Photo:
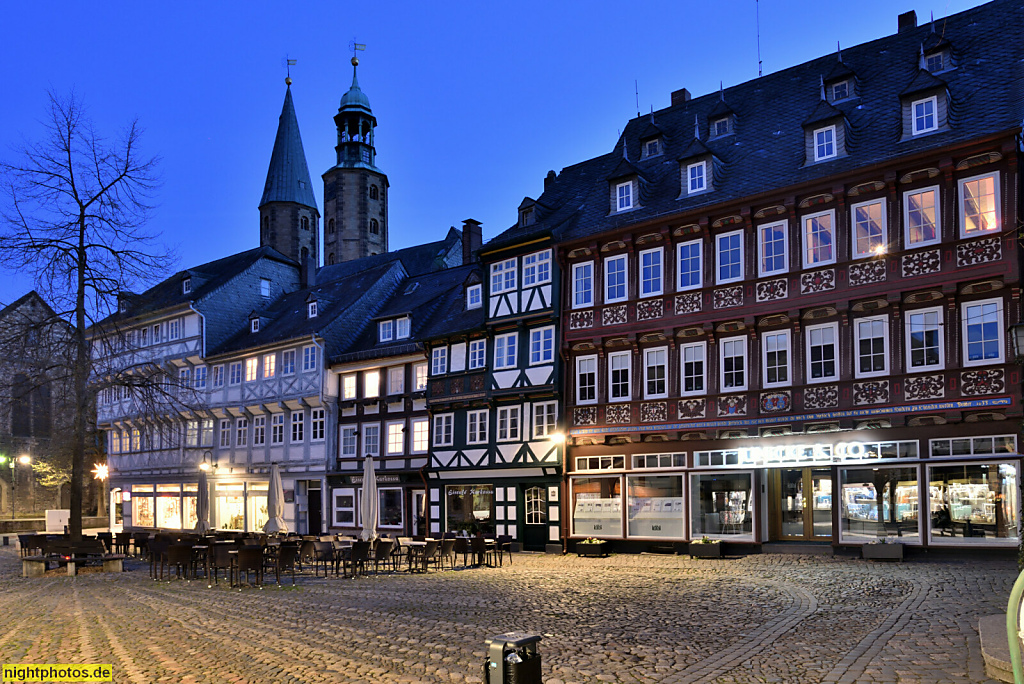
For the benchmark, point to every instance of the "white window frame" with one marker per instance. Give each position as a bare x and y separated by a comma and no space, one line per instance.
444,429
371,384
241,432
509,433
218,376
501,346
503,276
703,347
396,380
385,331
726,128
199,377
624,200
703,166
857,254
403,327
849,90
224,433
787,336
269,365
264,287
629,376
259,430
276,428
994,175
541,428
647,366
252,367
419,377
309,358
1000,328
540,353
719,280
349,449
834,327
761,270
537,271
721,364
476,427
582,298
474,297
235,371
395,428
939,327
644,292
298,423
935,115
349,386
886,345
311,309
936,193
420,436
365,429
288,362
700,265
624,260
804,221
477,354
317,424
438,361
829,132
580,360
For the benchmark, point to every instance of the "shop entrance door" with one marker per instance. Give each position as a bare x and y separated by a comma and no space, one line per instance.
535,531
801,504
315,508
419,513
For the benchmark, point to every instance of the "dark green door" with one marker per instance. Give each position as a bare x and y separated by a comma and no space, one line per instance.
535,517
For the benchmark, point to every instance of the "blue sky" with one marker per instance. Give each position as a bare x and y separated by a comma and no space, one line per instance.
474,101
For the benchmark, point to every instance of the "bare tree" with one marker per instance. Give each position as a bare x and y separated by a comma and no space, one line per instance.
74,216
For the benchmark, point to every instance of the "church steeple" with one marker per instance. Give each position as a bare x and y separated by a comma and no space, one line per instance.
289,218
355,190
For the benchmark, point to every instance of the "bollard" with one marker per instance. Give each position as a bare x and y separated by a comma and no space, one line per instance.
512,658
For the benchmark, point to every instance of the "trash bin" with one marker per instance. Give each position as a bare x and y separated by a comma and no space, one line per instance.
512,658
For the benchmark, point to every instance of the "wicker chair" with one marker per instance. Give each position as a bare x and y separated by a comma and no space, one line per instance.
179,557
286,559
447,553
323,554
222,559
357,558
250,559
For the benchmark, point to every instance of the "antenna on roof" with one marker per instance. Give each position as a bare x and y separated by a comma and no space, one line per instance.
636,89
757,10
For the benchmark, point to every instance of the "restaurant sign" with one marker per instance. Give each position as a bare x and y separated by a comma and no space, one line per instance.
807,454
381,479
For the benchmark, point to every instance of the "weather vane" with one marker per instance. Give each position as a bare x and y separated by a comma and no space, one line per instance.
353,46
289,63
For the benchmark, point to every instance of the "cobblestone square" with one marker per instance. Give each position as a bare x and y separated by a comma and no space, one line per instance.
645,618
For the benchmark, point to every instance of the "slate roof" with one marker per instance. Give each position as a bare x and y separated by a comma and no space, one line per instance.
451,315
288,175
766,151
416,260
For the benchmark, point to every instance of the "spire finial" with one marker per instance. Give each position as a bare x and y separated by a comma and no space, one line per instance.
625,151
921,61
354,46
821,84
289,63
721,92
696,128
933,21
839,51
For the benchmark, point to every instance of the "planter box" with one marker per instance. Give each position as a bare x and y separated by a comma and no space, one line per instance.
599,550
713,550
893,552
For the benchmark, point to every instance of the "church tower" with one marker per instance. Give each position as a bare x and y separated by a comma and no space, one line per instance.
355,190
289,219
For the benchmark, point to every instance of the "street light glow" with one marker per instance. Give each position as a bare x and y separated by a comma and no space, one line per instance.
24,459
557,437
100,471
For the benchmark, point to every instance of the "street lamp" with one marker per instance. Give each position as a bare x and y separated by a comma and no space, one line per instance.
24,459
100,472
207,465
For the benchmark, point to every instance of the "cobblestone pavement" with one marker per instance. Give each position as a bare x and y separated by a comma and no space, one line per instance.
768,618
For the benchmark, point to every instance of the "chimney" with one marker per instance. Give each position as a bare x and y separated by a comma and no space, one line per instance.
307,273
907,21
680,96
472,240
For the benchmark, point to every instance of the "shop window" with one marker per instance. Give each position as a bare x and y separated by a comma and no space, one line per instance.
648,461
168,506
879,502
991,445
720,506
390,513
470,508
973,504
257,505
596,506
142,506
345,507
600,462
655,507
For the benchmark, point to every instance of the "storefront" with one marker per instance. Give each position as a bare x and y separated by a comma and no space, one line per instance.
401,504
941,491
235,505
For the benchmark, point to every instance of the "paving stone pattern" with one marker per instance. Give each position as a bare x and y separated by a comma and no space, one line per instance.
767,618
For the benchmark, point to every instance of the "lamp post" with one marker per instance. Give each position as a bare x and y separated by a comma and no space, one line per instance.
100,472
1017,335
24,459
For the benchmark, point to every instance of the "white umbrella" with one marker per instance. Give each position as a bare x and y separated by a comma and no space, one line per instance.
275,502
368,506
203,505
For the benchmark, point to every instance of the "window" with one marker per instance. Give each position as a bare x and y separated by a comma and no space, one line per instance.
298,426
241,431
586,380
477,354
537,268
348,386
419,374
254,325
615,274
690,265
402,326
696,177
385,331
988,445
772,245
476,426
265,284
443,430
841,90
269,365
288,362
979,205
924,339
542,345
251,365
309,358
508,423
371,440
199,377
983,332
544,418
776,358
505,351
439,361
652,148
720,127
174,329
348,441
935,62
277,428
218,376
655,373
503,276
582,285
872,338
868,228
371,384
318,424
819,239
420,435
374,226
156,334
225,434
396,380
473,297
824,143
923,116
396,438
822,352
619,386
694,368
184,378
186,285
373,192
235,373
921,216
650,273
144,337
624,196
733,362
730,256
259,430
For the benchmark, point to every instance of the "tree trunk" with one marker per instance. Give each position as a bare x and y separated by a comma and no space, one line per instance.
81,389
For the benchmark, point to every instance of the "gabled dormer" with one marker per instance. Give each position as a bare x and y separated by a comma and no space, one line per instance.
624,185
652,140
936,53
474,291
825,131
186,284
527,212
255,322
925,105
721,119
696,166
841,82
312,306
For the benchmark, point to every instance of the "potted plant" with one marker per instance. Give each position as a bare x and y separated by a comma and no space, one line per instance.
883,549
706,547
596,548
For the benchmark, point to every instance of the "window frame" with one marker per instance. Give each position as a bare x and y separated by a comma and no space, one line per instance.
480,418
400,322
385,331
540,430
763,339
317,424
579,375
504,272
447,421
937,193
224,434
309,358
232,368
703,166
416,435
703,346
577,291
719,280
647,366
259,430
477,291
849,91
856,254
761,270
700,265
542,355
831,213
400,425
836,359
218,376
612,399
288,362
241,432
961,215
343,450
505,413
624,259
1000,329
914,130
834,142
620,196
541,259
477,354
643,292
886,346
252,368
276,429
420,372
399,386
269,366
502,342
940,328
371,383
439,360
297,420
721,364
349,381
363,428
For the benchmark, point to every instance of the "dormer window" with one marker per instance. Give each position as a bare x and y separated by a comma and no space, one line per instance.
840,91
123,307
697,177
824,143
624,196
937,61
526,216
474,297
186,285
402,326
264,288
385,331
924,115
254,325
652,148
311,310
720,127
